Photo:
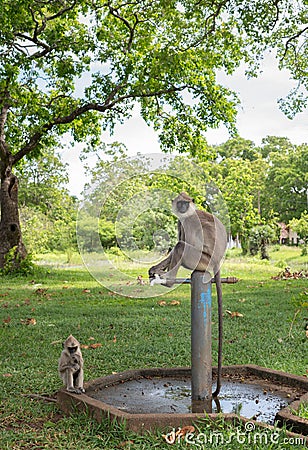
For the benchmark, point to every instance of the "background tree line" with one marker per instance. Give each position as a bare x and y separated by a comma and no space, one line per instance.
74,69
261,186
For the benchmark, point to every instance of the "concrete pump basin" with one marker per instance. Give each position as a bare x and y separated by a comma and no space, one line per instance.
147,399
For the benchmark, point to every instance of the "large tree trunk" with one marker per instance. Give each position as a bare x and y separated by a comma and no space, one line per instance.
10,232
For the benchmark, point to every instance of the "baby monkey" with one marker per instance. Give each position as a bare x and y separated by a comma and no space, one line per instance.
71,366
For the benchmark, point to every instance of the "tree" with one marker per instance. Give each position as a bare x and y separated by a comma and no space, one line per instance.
300,226
43,182
286,179
244,149
237,148
237,185
77,67
48,212
259,239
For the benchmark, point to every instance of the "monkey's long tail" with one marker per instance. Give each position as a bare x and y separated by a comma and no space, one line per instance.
220,332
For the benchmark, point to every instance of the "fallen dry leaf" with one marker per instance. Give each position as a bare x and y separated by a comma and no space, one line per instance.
40,291
140,280
174,303
86,291
114,340
170,437
234,314
7,320
162,303
84,346
97,345
28,321
287,274
7,375
185,430
173,436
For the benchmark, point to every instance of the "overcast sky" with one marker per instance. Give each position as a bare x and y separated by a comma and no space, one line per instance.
258,117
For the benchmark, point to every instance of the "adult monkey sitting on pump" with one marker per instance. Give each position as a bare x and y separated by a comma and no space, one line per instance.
202,242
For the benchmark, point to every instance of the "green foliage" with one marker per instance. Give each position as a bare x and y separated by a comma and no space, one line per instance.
72,69
107,233
47,211
37,229
80,66
238,168
300,226
17,265
286,178
115,251
259,239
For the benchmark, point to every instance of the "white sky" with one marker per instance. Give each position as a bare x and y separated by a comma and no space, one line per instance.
258,117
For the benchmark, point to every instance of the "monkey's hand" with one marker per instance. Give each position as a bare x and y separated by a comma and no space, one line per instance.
168,282
157,280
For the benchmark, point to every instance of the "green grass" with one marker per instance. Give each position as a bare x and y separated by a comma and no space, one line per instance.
134,333
302,411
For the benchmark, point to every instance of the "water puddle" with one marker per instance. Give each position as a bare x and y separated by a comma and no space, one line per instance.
171,395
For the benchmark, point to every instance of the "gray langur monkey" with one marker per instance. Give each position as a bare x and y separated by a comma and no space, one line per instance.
71,366
202,242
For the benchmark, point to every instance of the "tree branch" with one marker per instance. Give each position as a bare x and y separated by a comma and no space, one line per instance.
289,42
131,29
207,30
109,104
37,43
39,28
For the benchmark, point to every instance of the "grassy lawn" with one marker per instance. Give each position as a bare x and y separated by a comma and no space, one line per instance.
39,311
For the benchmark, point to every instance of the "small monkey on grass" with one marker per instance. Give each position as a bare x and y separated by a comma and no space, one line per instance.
71,366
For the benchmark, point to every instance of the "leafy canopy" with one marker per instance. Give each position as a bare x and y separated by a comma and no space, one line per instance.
80,66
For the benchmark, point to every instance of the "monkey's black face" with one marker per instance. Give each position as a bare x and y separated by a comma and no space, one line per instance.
182,206
72,349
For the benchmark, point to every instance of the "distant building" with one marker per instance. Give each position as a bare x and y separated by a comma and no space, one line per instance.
287,236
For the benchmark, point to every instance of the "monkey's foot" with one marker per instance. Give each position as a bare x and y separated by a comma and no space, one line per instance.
75,390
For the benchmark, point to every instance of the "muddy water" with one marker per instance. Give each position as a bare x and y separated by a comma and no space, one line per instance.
170,395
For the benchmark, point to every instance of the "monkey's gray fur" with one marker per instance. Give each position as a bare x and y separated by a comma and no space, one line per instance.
71,366
202,242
